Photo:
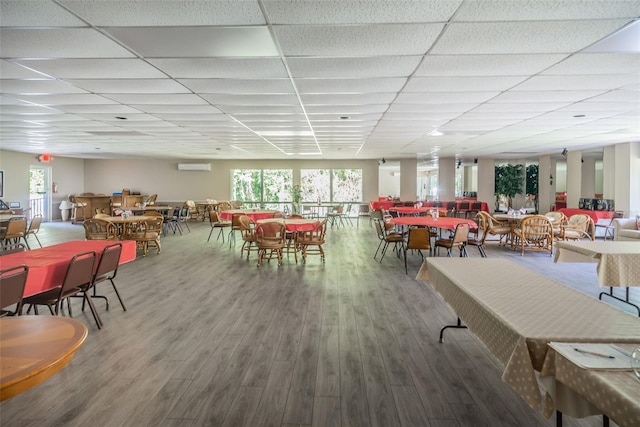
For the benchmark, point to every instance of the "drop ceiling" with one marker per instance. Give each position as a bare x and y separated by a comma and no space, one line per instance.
275,79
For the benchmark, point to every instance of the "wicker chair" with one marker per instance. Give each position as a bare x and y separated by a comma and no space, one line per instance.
535,233
310,242
270,239
247,231
99,229
557,219
578,227
495,227
149,232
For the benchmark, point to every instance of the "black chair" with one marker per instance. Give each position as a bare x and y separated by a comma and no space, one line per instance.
77,281
451,208
107,270
12,283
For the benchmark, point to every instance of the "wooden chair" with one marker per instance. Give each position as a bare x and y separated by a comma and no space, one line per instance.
494,227
336,215
12,283
247,231
77,281
418,238
578,227
34,227
151,199
16,230
99,229
311,242
609,228
148,233
458,239
535,233
76,205
107,270
215,222
271,239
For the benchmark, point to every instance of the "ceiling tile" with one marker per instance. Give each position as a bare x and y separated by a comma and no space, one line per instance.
37,86
180,42
347,99
59,43
62,99
157,99
598,63
523,37
131,86
10,70
93,68
545,96
237,68
349,85
444,97
383,66
393,39
536,10
253,86
29,13
594,82
486,65
167,12
455,84
254,99
358,12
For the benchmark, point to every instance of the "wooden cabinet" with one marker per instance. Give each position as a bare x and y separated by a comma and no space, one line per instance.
103,203
130,201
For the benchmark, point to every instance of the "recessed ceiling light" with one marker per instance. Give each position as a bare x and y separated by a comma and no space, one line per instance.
435,132
344,117
579,115
121,118
218,148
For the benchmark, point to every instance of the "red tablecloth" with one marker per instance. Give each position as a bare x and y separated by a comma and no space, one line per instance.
375,205
406,210
428,221
595,215
48,265
254,215
294,224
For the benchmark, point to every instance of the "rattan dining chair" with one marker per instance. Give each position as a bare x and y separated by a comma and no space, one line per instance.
534,233
270,240
12,283
311,242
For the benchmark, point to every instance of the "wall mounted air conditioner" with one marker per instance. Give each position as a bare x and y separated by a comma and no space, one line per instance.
194,166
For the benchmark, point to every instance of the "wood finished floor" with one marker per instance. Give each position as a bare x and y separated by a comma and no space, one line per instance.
210,339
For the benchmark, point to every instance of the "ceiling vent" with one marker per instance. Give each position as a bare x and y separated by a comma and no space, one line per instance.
194,166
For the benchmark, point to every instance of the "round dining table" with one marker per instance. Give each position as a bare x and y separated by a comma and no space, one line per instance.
34,348
448,223
293,225
253,214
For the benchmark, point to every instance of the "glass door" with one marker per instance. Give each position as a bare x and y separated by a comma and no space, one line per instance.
39,191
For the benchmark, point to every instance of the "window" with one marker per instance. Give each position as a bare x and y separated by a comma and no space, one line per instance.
268,188
315,185
347,185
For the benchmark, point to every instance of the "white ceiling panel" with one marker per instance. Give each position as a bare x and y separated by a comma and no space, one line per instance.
363,40
184,42
251,99
431,108
486,65
29,13
358,12
532,107
346,110
157,99
94,68
260,109
37,87
236,68
523,37
598,63
545,96
380,66
63,99
347,99
167,12
617,96
59,43
153,86
559,83
170,108
247,86
9,70
538,10
349,85
444,97
462,84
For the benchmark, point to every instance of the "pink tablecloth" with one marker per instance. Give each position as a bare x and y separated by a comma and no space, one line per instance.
595,215
254,215
428,221
48,265
294,224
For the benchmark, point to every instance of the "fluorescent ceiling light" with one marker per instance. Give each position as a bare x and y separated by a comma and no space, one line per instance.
435,132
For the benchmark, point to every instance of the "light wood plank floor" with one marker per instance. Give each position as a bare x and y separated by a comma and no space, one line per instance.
210,339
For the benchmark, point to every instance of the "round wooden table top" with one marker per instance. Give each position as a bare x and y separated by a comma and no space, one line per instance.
33,348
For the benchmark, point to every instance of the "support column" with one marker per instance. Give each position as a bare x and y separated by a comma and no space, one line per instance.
609,172
408,179
627,178
487,182
574,178
588,178
546,186
447,179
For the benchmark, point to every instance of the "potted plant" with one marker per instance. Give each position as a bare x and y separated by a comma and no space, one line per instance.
532,184
509,181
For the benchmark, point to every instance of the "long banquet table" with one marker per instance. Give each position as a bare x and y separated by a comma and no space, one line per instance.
48,265
253,214
447,223
516,312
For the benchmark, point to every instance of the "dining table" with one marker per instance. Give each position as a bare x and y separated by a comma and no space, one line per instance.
34,348
611,392
48,265
447,223
618,263
127,223
516,312
254,214
293,225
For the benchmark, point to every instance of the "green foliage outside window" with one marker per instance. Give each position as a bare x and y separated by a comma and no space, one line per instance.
509,180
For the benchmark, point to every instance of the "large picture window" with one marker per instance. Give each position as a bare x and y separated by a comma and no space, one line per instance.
346,185
268,188
315,185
